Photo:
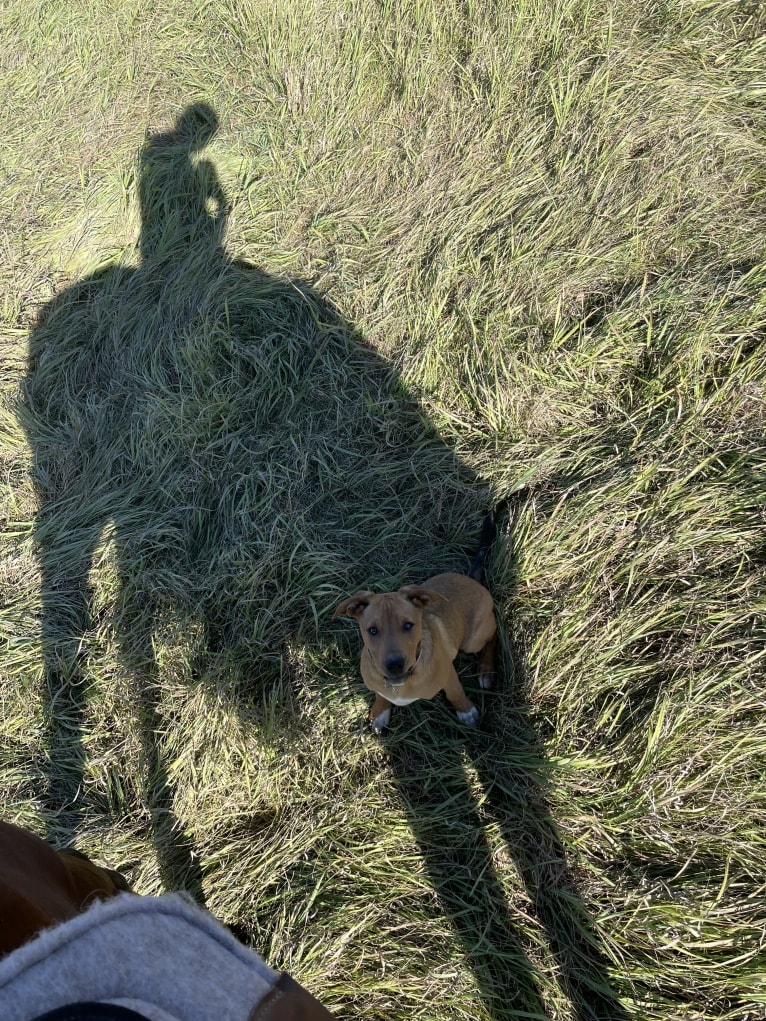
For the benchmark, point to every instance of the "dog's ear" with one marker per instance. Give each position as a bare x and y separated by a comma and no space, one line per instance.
355,605
420,596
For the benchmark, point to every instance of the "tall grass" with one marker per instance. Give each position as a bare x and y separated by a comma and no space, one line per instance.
290,295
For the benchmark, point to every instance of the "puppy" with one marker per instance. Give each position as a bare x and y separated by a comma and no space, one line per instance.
411,638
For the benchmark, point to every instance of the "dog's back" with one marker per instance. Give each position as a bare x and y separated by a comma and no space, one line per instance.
466,604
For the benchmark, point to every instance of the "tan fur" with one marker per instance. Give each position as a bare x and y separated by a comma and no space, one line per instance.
419,631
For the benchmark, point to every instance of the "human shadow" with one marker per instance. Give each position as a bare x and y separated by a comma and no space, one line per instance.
432,770
217,424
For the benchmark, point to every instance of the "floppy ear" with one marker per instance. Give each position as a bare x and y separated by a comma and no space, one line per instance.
355,605
420,597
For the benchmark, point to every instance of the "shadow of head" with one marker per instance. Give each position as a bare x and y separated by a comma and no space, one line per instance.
183,205
194,128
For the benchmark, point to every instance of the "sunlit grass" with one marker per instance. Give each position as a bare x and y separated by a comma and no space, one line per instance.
435,256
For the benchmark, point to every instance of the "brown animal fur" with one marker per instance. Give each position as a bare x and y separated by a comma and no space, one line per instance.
411,638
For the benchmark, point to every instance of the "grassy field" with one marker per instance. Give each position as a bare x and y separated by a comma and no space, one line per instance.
291,293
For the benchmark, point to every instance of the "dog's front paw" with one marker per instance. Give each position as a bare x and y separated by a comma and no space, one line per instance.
381,721
486,681
469,718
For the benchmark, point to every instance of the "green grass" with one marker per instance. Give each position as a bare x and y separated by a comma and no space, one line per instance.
435,255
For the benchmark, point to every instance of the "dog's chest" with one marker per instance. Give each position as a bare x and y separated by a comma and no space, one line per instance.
398,701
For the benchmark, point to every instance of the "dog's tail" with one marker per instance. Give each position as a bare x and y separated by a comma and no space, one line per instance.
487,537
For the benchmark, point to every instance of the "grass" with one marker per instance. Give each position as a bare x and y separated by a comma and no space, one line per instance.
395,262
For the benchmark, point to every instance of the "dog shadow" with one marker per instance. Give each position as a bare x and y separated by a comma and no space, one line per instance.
437,775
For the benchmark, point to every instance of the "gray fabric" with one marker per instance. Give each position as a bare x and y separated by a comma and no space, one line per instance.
160,956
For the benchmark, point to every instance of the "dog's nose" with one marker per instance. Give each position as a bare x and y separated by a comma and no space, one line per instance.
394,665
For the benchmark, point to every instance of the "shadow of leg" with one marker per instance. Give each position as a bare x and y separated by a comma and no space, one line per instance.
436,796
516,800
177,861
65,557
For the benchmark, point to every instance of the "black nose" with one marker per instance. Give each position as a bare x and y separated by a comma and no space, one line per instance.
395,665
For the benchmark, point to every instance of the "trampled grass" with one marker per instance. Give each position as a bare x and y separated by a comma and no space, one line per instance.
291,294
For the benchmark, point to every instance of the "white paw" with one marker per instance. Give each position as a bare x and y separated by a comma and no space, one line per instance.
471,718
381,721
485,681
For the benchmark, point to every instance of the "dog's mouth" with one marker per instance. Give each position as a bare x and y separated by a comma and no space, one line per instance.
398,681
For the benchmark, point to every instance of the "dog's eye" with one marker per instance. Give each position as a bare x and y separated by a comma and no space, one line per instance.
407,625
372,630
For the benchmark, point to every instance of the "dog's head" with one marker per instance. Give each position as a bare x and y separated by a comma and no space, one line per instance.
391,624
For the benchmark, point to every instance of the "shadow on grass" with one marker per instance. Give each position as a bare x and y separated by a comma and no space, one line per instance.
91,373
243,446
217,424
430,771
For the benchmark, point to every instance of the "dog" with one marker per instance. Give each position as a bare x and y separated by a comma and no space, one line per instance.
412,636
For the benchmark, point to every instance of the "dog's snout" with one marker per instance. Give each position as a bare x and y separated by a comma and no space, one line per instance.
394,665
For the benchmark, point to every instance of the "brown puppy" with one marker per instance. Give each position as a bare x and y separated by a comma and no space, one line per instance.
411,638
